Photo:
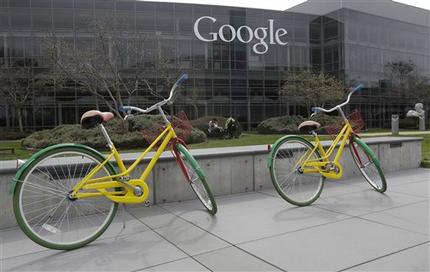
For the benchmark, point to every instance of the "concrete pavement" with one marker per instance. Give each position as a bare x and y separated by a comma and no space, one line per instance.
351,227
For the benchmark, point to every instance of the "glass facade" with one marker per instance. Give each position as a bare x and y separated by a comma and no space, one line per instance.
370,43
226,78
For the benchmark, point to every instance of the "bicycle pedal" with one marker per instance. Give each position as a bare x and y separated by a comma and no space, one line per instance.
147,203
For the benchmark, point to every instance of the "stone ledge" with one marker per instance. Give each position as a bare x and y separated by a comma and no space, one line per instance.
230,170
7,167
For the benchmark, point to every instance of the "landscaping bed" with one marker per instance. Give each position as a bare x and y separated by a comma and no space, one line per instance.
135,137
246,139
289,124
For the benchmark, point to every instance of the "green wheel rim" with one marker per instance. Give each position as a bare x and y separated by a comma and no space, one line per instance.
371,170
200,187
27,170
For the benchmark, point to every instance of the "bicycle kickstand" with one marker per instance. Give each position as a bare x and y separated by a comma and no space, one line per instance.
123,216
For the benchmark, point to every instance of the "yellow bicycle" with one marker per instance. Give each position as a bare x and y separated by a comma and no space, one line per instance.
298,167
66,195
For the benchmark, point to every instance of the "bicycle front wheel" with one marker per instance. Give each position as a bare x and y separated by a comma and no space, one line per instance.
368,164
285,159
196,177
43,208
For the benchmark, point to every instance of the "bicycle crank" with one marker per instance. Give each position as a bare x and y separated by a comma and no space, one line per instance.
137,191
332,170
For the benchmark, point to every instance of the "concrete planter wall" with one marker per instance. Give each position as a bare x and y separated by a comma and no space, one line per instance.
229,170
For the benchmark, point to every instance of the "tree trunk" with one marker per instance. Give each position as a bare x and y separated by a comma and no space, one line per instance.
19,113
125,125
196,111
308,109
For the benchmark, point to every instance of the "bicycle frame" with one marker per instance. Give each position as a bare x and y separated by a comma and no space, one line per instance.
135,190
335,171
110,182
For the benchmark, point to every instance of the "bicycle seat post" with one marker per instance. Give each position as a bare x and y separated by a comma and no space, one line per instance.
106,136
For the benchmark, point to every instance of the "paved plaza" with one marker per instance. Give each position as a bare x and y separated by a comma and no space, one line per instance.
351,227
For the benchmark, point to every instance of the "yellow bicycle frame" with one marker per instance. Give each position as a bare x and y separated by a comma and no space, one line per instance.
308,165
89,187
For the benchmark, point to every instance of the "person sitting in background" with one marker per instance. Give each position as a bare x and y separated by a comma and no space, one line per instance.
214,130
232,128
213,126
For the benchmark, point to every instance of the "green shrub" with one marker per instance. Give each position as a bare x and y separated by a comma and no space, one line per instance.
145,122
280,125
13,135
63,134
289,124
155,122
134,138
409,123
325,119
197,136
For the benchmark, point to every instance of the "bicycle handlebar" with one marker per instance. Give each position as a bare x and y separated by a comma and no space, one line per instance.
182,79
358,88
315,110
128,109
178,83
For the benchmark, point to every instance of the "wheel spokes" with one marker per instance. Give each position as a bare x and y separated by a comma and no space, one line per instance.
296,186
46,209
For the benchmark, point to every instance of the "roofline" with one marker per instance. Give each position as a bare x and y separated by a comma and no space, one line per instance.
400,3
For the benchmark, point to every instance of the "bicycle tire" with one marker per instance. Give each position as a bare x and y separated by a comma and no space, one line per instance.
279,156
197,180
373,174
30,186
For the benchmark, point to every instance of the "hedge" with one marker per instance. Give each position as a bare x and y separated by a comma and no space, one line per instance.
134,138
280,125
7,135
409,123
289,124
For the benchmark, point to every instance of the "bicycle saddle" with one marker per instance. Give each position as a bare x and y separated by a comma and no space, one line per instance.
308,126
92,118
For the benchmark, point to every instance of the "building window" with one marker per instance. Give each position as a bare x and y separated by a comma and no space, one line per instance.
84,4
20,3
4,18
20,18
63,19
42,19
41,4
62,4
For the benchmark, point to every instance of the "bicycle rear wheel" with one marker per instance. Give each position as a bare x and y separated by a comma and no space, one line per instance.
368,164
43,208
290,182
196,177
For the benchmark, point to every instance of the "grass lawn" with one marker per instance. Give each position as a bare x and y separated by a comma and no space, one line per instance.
20,153
246,139
425,147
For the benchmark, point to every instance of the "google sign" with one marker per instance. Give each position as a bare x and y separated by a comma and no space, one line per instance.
244,34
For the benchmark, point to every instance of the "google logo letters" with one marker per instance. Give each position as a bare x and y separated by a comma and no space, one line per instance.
244,34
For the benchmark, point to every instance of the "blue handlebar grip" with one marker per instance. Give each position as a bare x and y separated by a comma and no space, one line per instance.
359,87
313,109
124,109
182,79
